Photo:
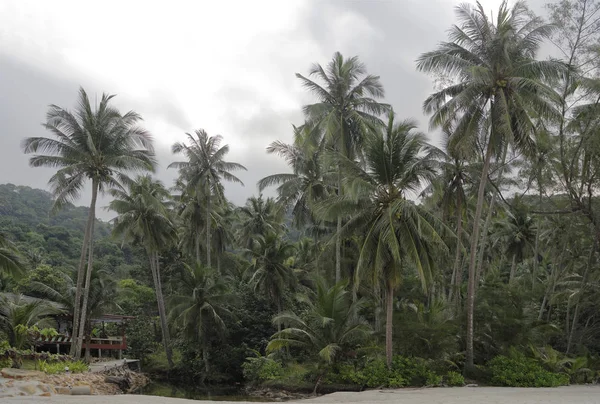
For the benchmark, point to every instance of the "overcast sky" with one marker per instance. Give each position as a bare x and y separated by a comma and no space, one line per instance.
225,66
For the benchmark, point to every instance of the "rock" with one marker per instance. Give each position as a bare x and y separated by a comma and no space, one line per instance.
46,394
62,390
472,385
29,389
20,373
81,391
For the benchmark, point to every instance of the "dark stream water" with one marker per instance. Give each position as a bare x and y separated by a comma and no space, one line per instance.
193,393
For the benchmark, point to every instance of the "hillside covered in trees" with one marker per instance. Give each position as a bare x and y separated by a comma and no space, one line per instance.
382,260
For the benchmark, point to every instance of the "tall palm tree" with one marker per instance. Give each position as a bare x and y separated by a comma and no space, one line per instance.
306,183
205,168
397,232
10,262
258,217
97,144
450,186
347,108
270,272
144,218
200,305
497,85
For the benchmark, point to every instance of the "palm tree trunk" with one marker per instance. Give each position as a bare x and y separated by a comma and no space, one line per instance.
388,324
208,225
582,287
197,241
155,269
88,276
80,276
457,259
484,236
556,264
205,356
338,239
513,269
474,241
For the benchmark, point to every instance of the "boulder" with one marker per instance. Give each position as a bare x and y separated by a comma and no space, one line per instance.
81,391
29,389
62,390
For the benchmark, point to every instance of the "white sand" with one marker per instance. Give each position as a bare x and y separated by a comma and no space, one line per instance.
461,395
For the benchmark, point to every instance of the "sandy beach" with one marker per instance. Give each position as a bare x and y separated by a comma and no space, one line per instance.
461,395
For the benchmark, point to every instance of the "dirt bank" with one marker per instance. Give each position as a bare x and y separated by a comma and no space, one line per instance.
461,395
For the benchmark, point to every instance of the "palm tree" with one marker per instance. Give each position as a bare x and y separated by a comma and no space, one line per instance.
497,85
200,305
258,217
18,313
397,232
10,262
144,218
97,144
205,168
450,186
345,111
103,293
518,233
270,272
330,327
307,183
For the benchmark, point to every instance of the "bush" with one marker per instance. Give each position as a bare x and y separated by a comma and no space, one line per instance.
454,379
404,372
520,371
53,368
260,369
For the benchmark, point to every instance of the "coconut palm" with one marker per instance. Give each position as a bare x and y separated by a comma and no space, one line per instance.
144,218
450,188
306,183
271,273
103,292
331,326
347,108
258,217
397,232
100,145
497,85
204,170
199,306
518,233
18,313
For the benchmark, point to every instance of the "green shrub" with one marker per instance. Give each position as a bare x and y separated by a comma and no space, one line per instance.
53,368
520,371
259,369
5,362
404,372
454,379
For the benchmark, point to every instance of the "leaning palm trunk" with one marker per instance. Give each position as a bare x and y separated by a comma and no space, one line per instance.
80,276
388,324
88,276
162,313
474,241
